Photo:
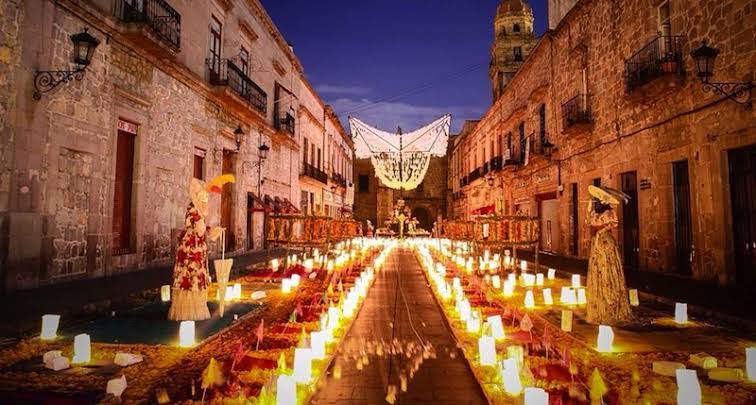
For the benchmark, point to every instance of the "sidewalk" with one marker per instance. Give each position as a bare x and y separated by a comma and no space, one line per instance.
736,301
74,295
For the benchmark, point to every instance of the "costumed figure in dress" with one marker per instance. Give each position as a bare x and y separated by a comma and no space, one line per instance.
608,301
191,278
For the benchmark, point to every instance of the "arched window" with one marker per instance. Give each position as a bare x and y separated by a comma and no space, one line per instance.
516,28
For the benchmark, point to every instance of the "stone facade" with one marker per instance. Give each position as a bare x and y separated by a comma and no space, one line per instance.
513,41
628,134
58,155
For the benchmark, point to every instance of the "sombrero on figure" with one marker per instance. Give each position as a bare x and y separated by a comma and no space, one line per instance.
608,195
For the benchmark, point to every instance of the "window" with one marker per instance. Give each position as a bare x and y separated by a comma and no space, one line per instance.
542,122
244,60
364,183
319,159
199,164
516,28
665,27
304,150
523,140
216,31
517,54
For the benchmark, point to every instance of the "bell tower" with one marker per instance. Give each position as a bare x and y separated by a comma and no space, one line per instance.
513,40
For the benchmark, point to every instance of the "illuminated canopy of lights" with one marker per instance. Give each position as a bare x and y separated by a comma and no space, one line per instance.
401,160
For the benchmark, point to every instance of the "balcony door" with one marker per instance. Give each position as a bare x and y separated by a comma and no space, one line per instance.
227,200
122,188
216,32
683,221
630,222
743,199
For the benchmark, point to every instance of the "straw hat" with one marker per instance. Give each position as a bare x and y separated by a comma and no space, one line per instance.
608,195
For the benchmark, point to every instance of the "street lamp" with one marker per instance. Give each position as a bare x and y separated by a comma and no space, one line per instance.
84,45
705,58
262,154
238,133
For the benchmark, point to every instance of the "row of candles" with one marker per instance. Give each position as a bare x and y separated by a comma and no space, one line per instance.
330,323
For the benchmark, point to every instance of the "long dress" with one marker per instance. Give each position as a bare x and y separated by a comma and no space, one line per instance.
608,302
190,273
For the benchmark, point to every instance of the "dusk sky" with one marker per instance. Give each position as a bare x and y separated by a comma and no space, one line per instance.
422,58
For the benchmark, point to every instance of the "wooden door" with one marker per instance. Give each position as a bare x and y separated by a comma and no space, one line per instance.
227,200
574,220
683,217
122,193
743,198
630,222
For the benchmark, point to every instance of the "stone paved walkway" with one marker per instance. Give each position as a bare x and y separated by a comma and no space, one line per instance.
446,379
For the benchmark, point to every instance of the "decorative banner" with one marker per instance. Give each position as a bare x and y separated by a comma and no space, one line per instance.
310,231
509,230
401,160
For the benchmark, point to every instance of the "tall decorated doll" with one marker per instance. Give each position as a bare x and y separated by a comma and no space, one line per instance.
191,277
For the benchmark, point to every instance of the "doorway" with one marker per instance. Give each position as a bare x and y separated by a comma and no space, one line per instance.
423,218
630,222
227,200
574,221
683,221
122,188
742,165
548,211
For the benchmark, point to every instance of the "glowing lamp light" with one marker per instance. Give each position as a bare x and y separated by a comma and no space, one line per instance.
567,320
186,334
539,279
576,281
49,327
547,299
302,365
308,264
681,313
523,265
286,390
516,353
605,339
510,374
274,264
508,288
568,296
456,283
634,297
551,274
229,293
82,349
497,327
528,279
529,300
581,299
496,281
165,293
330,266
751,363
318,344
512,278
487,350
688,388
295,279
473,324
536,396
237,291
285,285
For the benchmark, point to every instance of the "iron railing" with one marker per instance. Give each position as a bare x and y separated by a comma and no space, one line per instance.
285,122
486,169
163,19
339,179
540,145
577,110
226,73
474,175
314,173
495,163
662,56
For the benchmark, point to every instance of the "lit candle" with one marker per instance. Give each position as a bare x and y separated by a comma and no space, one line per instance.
634,297
318,344
274,264
473,324
496,281
285,285
487,350
681,313
547,299
229,293
576,281
82,349
551,274
237,291
49,327
529,300
688,388
605,339
510,374
523,265
165,293
302,365
497,326
186,334
512,278
508,288
536,396
295,279
539,279
581,299
308,264
517,353
286,390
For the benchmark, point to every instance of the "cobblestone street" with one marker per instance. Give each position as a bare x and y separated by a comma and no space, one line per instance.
401,306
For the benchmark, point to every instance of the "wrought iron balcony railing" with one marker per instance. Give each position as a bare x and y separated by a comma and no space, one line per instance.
486,169
474,175
163,19
541,145
577,110
224,72
662,56
314,173
495,163
339,179
285,122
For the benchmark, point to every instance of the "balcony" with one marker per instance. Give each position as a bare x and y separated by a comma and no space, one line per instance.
474,175
314,173
162,20
577,110
463,182
285,122
540,145
225,73
660,57
486,169
495,163
339,179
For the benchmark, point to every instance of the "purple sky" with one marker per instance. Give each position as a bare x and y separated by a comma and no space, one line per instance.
424,58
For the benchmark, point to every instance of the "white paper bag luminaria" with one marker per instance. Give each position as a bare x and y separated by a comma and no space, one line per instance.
127,359
82,349
49,327
116,386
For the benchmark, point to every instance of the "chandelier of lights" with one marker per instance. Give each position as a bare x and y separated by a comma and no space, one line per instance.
401,160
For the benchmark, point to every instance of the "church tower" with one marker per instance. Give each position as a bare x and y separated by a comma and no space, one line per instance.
513,40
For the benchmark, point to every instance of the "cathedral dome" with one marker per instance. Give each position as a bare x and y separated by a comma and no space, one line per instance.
512,7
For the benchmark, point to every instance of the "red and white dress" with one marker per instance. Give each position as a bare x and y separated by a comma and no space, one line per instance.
191,278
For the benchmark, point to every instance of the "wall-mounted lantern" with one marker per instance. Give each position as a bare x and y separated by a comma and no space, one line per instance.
84,46
705,58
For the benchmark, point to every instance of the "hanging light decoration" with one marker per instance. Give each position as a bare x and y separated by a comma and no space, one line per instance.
401,160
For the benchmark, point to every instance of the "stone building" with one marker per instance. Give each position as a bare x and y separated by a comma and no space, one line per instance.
513,41
611,96
94,174
374,201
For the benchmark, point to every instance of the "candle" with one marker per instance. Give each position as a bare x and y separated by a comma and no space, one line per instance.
581,299
688,388
285,285
551,274
497,327
523,265
274,264
82,349
536,396
510,374
302,365
576,281
496,281
681,313
539,279
487,350
318,344
286,390
295,279
634,298
605,339
529,300
165,293
186,334
547,299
